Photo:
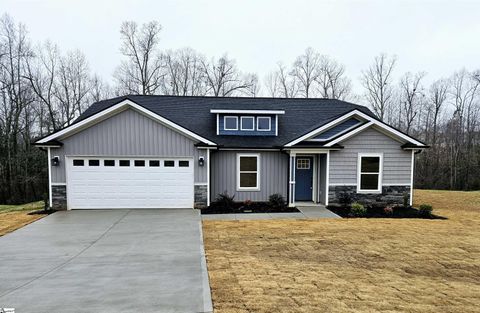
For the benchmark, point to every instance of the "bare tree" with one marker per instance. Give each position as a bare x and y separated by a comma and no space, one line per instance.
306,71
183,74
463,129
331,79
141,72
42,73
99,89
73,86
272,84
17,168
437,96
254,86
411,95
223,78
377,80
282,84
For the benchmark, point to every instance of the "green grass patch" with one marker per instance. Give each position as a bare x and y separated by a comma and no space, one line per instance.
21,207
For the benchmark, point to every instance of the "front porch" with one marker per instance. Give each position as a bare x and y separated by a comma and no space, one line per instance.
308,177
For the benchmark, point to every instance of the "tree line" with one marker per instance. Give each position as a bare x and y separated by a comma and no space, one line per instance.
43,89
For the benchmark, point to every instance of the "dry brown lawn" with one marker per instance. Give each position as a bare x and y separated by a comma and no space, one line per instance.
13,217
350,265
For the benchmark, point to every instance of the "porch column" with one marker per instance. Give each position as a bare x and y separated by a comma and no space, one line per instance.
291,185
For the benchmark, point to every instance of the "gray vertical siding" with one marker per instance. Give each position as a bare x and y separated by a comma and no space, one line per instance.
396,162
273,175
128,133
322,177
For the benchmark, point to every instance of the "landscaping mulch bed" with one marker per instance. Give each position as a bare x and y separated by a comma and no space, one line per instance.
240,207
379,212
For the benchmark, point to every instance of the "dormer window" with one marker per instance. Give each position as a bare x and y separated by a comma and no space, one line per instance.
238,122
230,122
264,123
247,123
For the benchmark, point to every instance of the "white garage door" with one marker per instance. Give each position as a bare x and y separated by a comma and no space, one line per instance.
109,183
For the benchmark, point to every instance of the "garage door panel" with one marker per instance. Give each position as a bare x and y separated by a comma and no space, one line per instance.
129,186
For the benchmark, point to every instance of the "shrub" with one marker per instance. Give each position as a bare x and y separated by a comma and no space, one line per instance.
388,210
345,199
247,204
277,201
358,209
425,210
225,200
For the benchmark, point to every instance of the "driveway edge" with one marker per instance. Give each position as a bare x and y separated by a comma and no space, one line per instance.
207,296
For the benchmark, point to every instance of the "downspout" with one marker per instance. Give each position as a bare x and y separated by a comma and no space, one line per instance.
50,197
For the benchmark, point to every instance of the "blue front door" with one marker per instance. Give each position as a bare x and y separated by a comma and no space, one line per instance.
303,178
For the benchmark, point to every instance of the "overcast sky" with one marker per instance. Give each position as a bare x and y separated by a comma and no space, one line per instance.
438,37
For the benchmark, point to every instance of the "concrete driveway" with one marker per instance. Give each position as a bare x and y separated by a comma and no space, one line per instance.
106,261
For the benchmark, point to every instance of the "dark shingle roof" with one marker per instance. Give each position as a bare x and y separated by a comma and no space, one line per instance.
301,115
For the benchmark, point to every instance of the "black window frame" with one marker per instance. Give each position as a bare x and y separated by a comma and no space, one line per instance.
121,163
94,162
78,161
154,163
181,163
109,163
168,161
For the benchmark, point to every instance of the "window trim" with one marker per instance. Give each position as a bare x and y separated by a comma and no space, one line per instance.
253,123
359,172
225,122
257,187
269,123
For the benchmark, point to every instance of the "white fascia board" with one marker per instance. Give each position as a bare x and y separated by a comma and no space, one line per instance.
47,146
348,135
356,112
102,115
247,111
309,151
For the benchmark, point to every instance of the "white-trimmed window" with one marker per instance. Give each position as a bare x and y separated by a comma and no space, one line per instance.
230,122
264,123
247,123
248,172
369,178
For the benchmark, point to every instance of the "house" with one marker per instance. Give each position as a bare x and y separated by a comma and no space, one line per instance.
177,152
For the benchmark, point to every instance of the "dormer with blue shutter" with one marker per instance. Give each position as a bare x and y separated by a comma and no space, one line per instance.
247,122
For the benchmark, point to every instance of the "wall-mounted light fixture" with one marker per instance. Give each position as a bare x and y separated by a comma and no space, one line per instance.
201,161
55,161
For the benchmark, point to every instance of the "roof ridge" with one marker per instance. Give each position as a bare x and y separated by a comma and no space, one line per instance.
233,97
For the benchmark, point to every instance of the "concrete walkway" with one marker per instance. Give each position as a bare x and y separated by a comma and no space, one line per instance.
106,261
306,212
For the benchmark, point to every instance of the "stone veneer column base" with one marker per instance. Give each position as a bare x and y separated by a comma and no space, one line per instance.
389,195
59,197
200,196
